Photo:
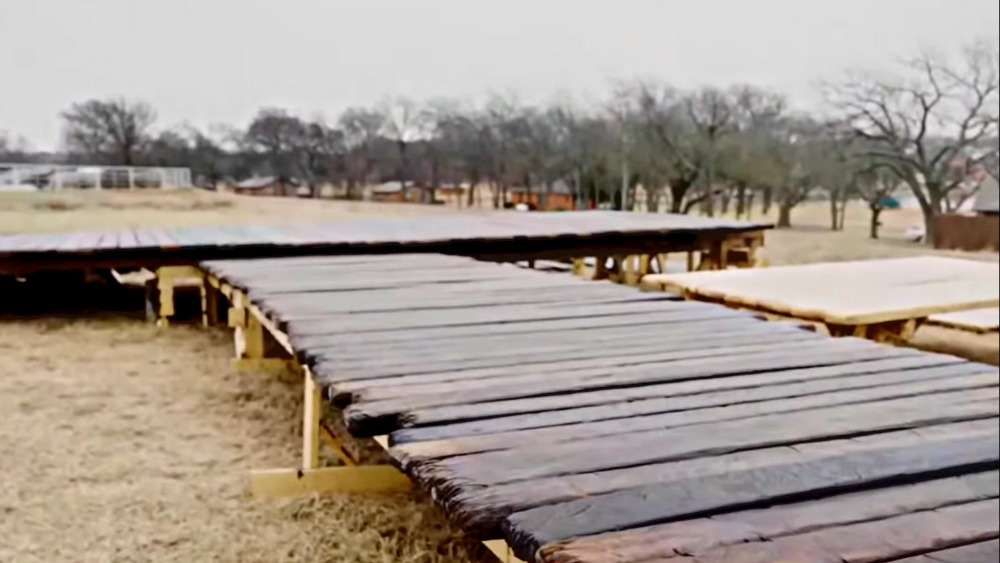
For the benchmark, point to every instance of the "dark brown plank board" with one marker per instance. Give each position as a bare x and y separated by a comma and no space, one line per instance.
498,236
590,422
980,552
698,536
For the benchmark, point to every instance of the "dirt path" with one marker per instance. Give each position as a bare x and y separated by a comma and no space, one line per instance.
121,442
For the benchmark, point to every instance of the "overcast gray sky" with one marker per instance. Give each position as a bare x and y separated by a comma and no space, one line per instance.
206,61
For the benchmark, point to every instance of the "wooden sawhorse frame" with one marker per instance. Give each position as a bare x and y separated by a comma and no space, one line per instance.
262,346
736,250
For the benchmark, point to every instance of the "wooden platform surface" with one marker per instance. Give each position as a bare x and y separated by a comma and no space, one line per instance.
973,320
590,422
498,235
850,293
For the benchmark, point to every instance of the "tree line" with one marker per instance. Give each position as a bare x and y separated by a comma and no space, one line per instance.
927,126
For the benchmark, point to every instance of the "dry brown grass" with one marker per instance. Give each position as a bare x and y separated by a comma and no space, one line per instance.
22,212
122,442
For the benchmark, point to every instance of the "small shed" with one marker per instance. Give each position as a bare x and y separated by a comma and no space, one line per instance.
559,197
258,185
389,192
980,231
988,197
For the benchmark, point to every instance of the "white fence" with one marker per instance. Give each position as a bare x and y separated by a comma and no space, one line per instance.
59,176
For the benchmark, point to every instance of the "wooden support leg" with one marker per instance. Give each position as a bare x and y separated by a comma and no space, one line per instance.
310,423
661,263
166,277
630,270
502,551
578,266
859,331
690,261
165,289
643,267
601,268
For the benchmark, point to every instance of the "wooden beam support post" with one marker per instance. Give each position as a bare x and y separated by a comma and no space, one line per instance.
166,278
310,422
600,267
503,551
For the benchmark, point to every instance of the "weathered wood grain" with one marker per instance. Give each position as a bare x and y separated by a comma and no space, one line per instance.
695,537
555,410
884,540
481,508
980,552
699,409
380,417
661,445
528,530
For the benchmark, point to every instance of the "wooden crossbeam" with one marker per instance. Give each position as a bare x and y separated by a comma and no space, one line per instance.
279,483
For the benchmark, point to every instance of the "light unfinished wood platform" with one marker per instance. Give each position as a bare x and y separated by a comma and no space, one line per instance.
874,298
979,321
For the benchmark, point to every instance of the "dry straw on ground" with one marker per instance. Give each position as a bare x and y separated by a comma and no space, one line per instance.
122,442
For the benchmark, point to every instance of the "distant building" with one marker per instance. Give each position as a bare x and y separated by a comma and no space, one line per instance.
270,185
257,185
979,231
389,192
395,192
559,197
988,197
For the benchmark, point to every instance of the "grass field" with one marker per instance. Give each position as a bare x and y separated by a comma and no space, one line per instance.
121,442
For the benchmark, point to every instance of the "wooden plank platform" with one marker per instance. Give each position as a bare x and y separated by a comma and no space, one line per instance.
585,422
860,298
979,321
498,236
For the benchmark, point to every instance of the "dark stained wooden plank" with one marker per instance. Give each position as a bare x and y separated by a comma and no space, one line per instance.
381,417
399,321
981,552
662,445
405,299
884,540
481,508
511,416
389,375
144,238
502,236
528,530
699,409
464,373
571,326
695,537
162,239
391,352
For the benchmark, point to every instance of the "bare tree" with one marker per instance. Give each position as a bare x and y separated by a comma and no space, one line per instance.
401,125
746,156
319,148
670,132
208,159
875,184
711,112
13,148
278,136
919,123
362,129
114,129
